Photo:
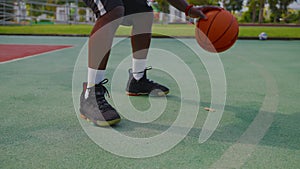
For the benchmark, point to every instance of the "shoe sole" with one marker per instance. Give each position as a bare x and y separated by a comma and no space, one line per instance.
101,123
143,94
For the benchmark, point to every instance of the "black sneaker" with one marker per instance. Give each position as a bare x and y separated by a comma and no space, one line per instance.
95,108
144,86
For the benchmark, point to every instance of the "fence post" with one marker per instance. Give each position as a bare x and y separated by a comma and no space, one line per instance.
4,13
19,11
75,13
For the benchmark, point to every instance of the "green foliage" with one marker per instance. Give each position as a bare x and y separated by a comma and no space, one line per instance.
52,9
36,10
279,9
204,2
293,17
81,11
60,2
163,5
233,5
246,17
253,6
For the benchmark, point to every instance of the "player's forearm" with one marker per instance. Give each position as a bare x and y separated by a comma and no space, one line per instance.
179,4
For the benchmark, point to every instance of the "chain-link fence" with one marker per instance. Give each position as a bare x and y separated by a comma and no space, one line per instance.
28,12
44,12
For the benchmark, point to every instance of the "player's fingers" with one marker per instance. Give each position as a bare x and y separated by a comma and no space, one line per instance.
196,13
205,9
202,16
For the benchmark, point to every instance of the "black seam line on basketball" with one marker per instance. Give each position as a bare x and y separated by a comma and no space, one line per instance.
230,42
212,21
229,45
232,19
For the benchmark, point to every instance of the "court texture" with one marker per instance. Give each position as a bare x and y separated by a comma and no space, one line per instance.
41,80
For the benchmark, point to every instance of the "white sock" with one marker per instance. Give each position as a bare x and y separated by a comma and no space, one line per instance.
94,77
138,65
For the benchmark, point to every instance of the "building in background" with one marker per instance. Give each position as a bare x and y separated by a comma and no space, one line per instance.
176,16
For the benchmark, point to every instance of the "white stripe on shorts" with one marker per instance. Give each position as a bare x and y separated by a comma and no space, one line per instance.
100,7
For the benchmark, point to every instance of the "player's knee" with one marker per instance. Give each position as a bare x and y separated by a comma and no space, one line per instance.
146,17
143,23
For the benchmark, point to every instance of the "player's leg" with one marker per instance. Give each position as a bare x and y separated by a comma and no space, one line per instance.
100,41
140,41
138,83
93,105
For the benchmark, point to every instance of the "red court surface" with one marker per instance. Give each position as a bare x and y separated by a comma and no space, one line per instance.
9,52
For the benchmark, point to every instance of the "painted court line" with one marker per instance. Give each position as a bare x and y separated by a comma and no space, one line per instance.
14,52
236,155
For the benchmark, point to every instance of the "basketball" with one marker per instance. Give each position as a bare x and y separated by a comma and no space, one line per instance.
218,32
263,36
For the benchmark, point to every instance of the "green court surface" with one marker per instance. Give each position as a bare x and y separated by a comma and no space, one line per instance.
259,127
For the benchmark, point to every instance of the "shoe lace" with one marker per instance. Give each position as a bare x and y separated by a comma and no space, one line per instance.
147,68
100,98
146,79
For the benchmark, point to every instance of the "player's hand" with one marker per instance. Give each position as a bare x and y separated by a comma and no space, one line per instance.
205,9
199,12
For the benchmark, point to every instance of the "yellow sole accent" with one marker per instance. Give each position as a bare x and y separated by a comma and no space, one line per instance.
101,123
108,123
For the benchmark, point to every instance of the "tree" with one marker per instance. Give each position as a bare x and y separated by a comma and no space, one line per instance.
254,9
279,9
51,9
261,10
233,5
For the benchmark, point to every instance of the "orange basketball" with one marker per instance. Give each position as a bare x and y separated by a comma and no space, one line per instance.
219,32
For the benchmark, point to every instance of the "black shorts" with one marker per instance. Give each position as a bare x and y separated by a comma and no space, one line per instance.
101,7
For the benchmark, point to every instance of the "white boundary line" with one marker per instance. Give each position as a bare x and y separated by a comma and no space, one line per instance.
237,154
